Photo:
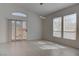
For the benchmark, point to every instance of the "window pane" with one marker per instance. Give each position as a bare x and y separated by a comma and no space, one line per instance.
69,35
18,30
57,27
24,30
57,34
69,26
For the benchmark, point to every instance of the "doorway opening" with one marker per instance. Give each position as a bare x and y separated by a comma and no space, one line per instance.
17,30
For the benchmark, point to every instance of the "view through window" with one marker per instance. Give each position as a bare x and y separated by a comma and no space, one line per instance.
57,27
69,26
68,31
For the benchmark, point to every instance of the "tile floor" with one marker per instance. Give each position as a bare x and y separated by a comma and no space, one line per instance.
36,48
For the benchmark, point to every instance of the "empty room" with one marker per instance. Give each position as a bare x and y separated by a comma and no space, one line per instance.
39,29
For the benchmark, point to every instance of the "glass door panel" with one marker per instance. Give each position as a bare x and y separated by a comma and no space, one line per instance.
19,30
24,30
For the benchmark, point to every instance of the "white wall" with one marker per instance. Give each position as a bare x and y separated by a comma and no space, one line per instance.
34,22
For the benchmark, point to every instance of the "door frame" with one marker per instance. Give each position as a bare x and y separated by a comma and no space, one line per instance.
9,38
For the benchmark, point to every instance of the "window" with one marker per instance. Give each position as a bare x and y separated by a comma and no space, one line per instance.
65,27
69,26
19,14
57,27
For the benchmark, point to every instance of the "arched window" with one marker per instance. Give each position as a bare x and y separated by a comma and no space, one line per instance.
19,14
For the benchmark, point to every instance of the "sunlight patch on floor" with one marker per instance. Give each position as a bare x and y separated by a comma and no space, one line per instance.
45,42
51,47
48,45
41,42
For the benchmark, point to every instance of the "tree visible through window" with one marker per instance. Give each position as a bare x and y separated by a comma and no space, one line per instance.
68,31
69,26
57,27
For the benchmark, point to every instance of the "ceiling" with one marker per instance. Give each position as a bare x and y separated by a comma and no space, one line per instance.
44,9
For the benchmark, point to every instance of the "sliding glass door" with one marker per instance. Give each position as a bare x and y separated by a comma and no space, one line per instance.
18,29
